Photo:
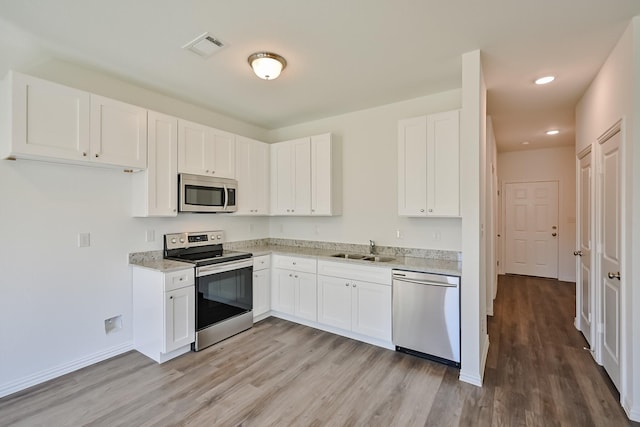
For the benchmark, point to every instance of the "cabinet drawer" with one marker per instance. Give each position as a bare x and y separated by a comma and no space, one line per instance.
261,262
307,265
178,279
373,274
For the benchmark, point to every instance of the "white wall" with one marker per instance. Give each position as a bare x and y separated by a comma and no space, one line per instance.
56,296
551,164
473,317
613,95
370,180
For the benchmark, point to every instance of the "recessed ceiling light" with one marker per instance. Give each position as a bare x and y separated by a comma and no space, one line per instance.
545,80
525,142
553,132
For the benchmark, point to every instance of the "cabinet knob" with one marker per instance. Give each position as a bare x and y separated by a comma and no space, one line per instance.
84,154
97,155
171,297
212,172
287,210
313,210
294,263
296,276
346,284
293,210
290,275
421,210
430,210
354,285
174,210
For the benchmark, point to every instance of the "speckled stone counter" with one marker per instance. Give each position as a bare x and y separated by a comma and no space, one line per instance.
422,260
442,265
153,260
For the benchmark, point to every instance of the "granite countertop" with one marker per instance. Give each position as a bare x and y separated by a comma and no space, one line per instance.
153,259
425,265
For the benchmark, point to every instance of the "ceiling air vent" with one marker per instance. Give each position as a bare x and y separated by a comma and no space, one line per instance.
204,45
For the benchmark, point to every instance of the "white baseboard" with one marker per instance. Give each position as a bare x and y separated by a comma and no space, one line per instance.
476,379
57,371
632,412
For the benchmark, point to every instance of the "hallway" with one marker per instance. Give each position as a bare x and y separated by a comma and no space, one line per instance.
537,367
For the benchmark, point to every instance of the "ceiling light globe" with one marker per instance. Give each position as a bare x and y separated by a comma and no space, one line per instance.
553,132
266,65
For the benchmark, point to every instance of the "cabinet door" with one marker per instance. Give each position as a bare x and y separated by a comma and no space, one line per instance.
371,310
321,175
306,303
283,293
161,179
282,178
252,173
412,167
192,148
261,292
334,302
302,177
49,120
223,155
443,164
179,318
118,133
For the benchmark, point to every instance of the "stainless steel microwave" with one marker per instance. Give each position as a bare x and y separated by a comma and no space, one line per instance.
198,193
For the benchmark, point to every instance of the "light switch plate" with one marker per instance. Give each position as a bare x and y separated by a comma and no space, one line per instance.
84,240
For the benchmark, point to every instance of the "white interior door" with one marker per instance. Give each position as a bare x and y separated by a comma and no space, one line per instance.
609,272
532,229
585,301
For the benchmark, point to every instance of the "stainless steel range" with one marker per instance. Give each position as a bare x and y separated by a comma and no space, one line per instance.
224,286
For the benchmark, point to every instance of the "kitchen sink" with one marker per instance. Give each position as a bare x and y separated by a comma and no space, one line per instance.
372,258
349,256
376,258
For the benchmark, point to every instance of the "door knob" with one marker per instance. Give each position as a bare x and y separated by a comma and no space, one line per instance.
611,275
554,234
577,253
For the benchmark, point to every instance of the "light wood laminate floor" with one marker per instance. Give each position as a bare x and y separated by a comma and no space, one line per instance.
283,374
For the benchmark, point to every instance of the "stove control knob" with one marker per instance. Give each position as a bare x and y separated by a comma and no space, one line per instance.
219,237
213,237
182,240
173,240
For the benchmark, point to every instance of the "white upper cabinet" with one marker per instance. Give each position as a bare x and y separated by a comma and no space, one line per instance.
306,177
203,150
291,177
155,190
326,176
252,173
118,133
57,123
429,165
47,120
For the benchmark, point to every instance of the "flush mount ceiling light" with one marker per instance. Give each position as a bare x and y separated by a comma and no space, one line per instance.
525,142
545,80
267,65
553,132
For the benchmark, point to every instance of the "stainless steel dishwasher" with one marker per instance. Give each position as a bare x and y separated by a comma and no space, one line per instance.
426,315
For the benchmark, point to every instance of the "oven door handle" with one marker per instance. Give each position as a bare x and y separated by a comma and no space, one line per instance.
208,270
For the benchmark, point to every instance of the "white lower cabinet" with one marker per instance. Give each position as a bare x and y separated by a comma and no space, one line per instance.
347,302
163,312
261,287
293,290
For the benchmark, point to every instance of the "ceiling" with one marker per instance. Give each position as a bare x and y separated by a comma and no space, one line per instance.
342,55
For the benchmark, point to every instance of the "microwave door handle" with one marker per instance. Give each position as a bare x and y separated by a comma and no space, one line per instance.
226,196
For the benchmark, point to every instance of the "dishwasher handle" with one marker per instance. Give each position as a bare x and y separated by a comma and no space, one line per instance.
425,278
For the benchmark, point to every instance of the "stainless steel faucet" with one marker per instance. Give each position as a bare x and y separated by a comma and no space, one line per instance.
372,247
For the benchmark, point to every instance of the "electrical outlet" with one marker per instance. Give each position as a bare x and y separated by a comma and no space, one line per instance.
151,235
84,240
399,234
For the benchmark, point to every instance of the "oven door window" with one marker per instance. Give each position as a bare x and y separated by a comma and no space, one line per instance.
222,296
203,196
